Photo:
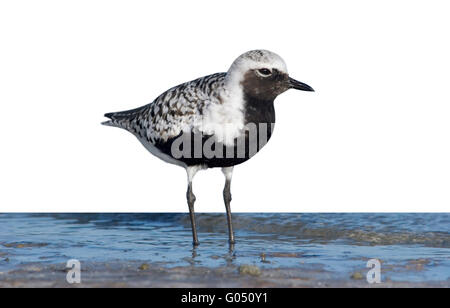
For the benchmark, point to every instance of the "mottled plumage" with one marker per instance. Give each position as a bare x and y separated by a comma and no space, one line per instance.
176,110
216,113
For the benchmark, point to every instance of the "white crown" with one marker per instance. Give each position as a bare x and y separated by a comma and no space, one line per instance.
257,59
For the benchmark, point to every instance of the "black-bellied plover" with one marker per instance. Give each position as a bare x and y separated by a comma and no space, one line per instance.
220,120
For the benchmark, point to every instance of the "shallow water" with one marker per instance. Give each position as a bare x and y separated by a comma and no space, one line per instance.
411,247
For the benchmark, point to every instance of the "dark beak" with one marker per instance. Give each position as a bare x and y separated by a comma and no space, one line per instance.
294,84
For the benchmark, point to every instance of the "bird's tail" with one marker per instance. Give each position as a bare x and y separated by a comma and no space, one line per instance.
112,122
122,118
109,123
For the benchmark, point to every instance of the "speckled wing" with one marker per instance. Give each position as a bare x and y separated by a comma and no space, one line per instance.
171,113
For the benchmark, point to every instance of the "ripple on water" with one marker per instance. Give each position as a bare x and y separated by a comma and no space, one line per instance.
411,246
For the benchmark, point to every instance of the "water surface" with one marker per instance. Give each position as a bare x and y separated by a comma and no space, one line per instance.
411,247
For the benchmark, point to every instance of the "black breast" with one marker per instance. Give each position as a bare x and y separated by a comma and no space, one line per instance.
259,112
259,118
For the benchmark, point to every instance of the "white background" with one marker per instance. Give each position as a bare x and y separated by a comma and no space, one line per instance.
375,136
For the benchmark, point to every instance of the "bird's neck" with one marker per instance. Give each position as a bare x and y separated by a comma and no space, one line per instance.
258,111
255,109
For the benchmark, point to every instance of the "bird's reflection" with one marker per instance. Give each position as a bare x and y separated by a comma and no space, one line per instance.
194,252
229,256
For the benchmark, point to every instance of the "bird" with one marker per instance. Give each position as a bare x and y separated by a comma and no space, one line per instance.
216,121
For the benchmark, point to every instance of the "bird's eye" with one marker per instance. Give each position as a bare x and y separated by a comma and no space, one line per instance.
264,72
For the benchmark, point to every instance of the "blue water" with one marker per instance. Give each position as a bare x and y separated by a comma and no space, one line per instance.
338,244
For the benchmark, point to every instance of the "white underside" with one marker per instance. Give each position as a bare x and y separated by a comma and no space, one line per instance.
155,151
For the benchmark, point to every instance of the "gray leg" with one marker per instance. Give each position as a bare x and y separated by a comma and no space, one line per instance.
191,200
228,172
191,171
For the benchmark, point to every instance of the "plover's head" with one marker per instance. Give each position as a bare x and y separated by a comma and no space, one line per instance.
263,75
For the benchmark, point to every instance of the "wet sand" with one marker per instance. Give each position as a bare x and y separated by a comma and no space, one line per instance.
132,274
